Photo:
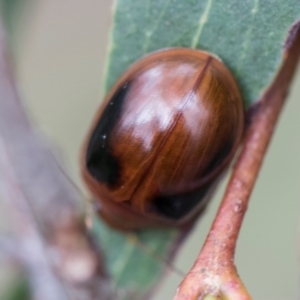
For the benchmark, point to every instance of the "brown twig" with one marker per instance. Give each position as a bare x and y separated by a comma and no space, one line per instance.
214,272
43,206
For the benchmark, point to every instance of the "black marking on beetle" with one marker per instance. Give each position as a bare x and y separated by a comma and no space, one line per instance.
100,162
177,206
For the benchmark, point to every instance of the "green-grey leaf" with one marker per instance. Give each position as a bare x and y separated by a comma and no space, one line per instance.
135,260
247,35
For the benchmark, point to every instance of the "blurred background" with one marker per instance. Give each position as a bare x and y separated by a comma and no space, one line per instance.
59,51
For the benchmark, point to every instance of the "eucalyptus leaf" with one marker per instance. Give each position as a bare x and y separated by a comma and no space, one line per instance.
248,37
135,260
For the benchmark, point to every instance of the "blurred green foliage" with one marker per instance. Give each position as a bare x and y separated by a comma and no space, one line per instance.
13,12
10,11
19,291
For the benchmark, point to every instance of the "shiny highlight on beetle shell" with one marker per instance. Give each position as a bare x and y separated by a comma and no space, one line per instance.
164,134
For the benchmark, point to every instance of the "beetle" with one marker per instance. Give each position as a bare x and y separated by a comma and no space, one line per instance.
165,132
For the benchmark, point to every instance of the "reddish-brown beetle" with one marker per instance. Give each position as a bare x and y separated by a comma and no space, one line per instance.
167,129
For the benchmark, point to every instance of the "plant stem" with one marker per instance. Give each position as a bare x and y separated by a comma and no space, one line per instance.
214,271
